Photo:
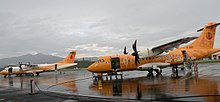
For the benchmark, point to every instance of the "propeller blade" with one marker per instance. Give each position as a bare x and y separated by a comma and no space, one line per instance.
134,46
135,53
125,51
137,60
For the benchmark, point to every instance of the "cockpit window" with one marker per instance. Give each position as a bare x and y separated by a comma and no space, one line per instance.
101,60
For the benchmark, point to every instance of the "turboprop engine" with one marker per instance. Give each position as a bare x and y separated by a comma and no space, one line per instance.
148,53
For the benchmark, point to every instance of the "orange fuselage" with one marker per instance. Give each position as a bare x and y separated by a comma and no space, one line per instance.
200,48
127,62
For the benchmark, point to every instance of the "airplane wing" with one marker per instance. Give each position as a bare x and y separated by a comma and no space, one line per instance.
147,66
165,47
34,71
171,45
66,66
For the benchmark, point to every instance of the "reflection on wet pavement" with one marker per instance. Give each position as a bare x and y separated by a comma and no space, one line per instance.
134,85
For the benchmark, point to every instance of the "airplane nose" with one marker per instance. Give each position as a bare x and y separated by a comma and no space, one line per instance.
91,68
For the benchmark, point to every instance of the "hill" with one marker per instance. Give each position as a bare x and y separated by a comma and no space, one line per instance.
33,59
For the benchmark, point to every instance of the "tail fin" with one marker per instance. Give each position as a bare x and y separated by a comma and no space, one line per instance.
70,58
207,37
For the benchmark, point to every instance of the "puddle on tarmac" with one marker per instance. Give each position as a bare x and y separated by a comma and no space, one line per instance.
134,84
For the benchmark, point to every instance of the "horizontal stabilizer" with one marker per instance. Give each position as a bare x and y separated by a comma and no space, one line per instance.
208,26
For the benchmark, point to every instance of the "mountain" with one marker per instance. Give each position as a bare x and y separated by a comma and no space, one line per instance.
93,59
33,59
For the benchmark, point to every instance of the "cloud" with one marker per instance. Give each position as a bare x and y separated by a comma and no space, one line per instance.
86,50
103,27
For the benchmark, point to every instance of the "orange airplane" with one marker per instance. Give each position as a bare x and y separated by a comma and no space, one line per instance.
154,59
39,68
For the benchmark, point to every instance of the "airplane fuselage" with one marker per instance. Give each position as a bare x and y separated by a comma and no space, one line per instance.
36,69
39,68
127,62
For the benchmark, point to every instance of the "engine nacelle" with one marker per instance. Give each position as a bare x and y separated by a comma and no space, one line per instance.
148,53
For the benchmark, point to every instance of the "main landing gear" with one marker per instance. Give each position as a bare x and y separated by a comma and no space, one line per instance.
175,71
157,70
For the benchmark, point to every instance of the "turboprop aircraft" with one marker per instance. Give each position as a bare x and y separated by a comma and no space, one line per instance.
39,68
154,59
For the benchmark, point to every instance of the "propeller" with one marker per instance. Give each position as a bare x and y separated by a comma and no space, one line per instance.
135,53
19,64
125,51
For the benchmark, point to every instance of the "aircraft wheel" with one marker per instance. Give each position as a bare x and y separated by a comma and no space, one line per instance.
150,75
151,70
159,76
38,74
34,74
5,76
158,71
182,68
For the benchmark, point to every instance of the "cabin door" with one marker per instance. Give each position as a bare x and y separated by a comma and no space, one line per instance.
115,62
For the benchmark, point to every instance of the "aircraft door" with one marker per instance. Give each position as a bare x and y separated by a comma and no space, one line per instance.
185,56
115,63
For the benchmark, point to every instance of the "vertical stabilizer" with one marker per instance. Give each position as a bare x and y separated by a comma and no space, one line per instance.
207,37
69,58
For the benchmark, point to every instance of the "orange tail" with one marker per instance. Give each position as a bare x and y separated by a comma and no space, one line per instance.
70,58
207,37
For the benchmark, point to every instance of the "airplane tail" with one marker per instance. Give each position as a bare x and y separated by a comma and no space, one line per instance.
207,37
69,58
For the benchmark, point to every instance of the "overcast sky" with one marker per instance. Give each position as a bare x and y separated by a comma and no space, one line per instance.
99,27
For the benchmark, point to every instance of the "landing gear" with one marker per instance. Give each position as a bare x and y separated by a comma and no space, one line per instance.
150,70
158,71
19,75
182,68
159,75
38,74
151,75
175,71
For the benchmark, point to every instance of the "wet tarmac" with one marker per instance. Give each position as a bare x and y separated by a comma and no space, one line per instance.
135,85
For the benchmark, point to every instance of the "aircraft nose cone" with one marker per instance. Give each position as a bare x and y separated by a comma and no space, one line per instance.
91,68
